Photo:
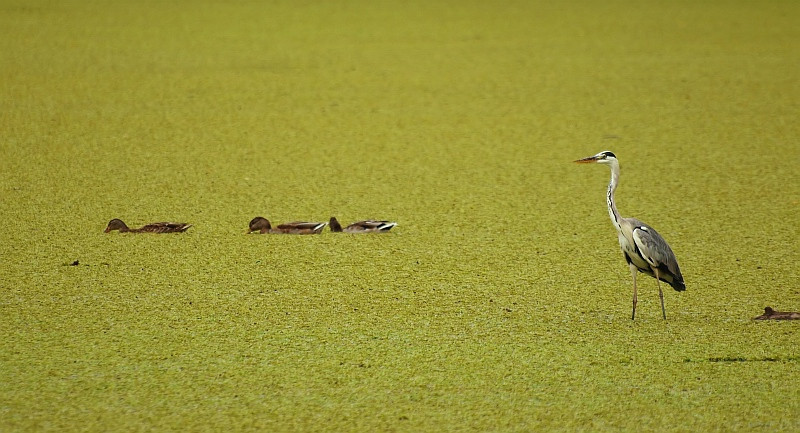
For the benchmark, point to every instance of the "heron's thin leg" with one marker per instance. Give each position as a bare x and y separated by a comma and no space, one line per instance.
660,295
634,270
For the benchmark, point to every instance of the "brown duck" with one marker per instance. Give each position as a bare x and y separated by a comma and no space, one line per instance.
366,226
262,225
163,227
770,314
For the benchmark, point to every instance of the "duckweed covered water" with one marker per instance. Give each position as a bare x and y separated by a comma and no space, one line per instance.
500,302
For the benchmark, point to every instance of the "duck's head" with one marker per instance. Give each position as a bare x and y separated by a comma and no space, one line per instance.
335,226
116,224
260,224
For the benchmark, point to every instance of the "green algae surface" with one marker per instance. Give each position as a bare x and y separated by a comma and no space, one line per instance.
500,302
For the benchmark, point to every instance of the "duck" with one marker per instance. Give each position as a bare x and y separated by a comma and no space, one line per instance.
262,225
366,226
162,227
770,314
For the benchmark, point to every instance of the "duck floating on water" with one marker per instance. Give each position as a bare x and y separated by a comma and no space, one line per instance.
770,314
366,226
162,227
262,225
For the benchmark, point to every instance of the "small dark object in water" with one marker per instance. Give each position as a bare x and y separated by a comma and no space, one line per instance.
770,314
75,263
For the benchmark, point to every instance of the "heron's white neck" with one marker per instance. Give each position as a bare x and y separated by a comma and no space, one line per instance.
612,187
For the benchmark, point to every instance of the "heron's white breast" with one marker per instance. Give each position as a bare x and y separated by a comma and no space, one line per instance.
627,246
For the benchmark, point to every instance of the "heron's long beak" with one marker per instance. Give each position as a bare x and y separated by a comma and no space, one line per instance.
588,160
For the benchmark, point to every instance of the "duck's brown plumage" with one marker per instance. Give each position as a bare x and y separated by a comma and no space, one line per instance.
161,227
262,225
366,226
770,314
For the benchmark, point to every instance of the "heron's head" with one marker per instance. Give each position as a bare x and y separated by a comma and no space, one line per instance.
604,157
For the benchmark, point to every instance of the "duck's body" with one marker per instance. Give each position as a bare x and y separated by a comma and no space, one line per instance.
162,227
366,226
262,225
770,314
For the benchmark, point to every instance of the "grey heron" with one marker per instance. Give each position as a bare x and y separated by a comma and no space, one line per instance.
644,249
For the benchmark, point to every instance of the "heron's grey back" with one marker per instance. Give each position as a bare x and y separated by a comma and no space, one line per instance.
658,250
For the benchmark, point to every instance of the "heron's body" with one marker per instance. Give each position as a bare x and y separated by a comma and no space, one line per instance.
366,226
644,249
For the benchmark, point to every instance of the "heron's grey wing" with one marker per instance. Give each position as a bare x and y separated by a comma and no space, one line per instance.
657,252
